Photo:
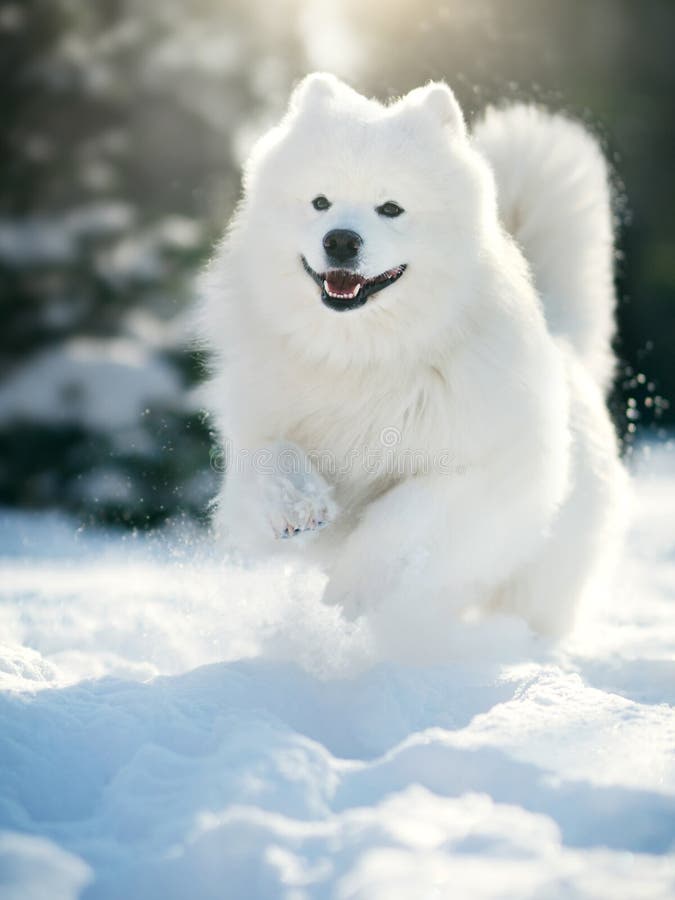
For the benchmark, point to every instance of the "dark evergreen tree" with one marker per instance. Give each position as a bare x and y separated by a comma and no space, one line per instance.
119,165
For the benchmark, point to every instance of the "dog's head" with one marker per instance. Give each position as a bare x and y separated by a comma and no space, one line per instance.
361,222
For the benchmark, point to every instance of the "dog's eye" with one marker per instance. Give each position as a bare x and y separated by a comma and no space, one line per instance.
389,209
321,202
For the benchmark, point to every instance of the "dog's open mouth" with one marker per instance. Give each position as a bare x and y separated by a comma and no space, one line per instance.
342,289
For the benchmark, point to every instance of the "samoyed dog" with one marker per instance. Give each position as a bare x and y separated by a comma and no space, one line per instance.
411,329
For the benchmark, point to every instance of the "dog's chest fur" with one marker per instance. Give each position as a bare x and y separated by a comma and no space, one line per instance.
368,430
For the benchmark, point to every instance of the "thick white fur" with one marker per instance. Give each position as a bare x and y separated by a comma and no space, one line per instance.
553,196
452,431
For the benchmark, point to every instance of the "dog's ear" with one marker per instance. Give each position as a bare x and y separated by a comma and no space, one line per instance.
437,100
313,91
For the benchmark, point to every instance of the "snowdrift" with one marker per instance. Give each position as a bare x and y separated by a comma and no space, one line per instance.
174,726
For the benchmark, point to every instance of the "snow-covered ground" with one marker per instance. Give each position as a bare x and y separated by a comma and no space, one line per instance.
173,726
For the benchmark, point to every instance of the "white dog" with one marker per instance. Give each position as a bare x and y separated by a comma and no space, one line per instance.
412,328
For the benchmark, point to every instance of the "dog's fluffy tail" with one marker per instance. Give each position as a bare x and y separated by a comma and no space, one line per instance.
554,198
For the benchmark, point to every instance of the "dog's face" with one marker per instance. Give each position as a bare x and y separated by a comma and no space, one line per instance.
361,221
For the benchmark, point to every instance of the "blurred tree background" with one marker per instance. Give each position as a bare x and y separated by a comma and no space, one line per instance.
124,126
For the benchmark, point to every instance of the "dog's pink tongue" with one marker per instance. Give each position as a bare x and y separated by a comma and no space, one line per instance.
342,282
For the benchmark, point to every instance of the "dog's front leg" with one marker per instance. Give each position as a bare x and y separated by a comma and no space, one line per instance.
274,492
445,538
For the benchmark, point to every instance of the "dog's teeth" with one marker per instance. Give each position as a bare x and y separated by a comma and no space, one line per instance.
341,295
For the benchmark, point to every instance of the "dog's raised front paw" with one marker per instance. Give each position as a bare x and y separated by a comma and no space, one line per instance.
298,504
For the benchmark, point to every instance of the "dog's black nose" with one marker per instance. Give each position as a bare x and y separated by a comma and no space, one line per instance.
341,245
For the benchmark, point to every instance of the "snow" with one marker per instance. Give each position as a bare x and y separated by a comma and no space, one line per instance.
45,240
177,725
71,382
